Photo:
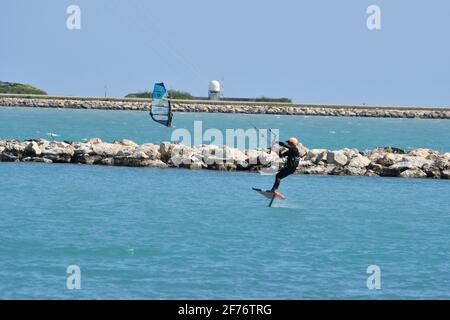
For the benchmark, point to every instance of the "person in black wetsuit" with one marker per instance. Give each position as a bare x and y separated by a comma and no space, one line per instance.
293,158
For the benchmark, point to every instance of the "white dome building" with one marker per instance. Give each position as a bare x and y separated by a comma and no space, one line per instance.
214,90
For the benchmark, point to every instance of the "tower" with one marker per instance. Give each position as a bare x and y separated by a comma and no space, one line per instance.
214,90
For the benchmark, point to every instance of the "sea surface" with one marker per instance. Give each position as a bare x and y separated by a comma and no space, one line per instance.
142,233
314,132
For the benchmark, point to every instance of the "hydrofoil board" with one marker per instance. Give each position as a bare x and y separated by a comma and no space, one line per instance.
269,194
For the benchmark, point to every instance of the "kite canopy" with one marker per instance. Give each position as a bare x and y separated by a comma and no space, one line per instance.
161,110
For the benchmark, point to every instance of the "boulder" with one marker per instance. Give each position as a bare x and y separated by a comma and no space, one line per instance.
128,143
156,164
94,141
135,162
58,151
36,159
196,164
235,156
252,156
416,161
350,153
12,151
180,160
379,153
314,170
126,152
305,164
213,161
337,171
354,171
388,159
269,159
180,155
375,156
264,170
32,150
175,153
376,168
424,153
87,159
389,172
397,168
314,153
151,150
413,173
337,158
371,173
224,166
421,152
197,155
303,151
81,149
101,149
329,169
406,164
164,150
109,161
431,171
390,150
209,153
359,161
140,155
442,163
321,158
445,174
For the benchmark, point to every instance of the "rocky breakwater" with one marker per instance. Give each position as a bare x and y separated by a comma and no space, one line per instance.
75,103
384,162
315,110
227,107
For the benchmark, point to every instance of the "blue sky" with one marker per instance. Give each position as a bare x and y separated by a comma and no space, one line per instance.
311,51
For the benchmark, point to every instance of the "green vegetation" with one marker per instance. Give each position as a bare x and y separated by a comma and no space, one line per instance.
266,99
173,94
182,95
145,94
18,88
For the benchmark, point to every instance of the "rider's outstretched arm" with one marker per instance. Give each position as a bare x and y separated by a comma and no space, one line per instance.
286,145
285,152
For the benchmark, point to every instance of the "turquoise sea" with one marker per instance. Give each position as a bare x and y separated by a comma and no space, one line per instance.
313,132
181,234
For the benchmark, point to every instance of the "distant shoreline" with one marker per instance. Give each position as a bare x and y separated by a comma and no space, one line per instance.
245,107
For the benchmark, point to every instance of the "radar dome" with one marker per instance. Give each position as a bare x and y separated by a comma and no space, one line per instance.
214,86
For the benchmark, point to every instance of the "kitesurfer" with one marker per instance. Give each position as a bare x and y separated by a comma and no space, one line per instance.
293,157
